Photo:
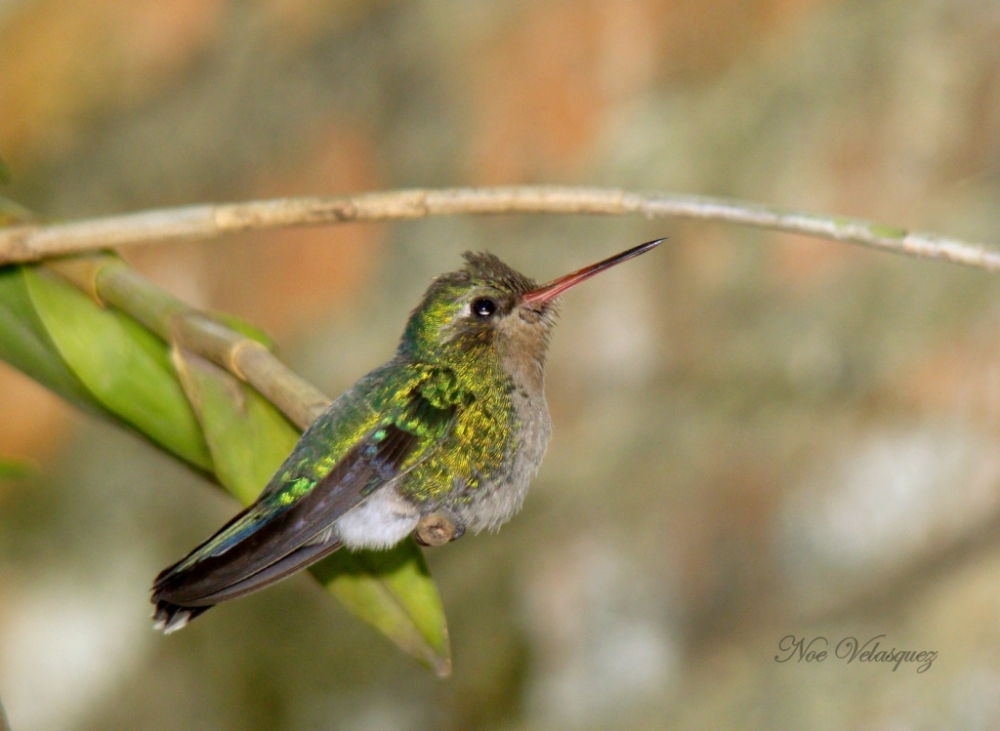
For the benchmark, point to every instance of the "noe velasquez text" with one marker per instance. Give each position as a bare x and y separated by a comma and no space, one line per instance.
792,648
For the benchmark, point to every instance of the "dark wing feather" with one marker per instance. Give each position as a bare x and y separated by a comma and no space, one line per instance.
245,566
170,617
275,572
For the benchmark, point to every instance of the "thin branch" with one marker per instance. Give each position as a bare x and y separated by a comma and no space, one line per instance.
110,280
34,242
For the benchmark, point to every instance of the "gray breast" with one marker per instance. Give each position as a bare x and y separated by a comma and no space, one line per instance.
493,506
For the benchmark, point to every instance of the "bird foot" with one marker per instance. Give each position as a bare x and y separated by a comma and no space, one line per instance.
437,529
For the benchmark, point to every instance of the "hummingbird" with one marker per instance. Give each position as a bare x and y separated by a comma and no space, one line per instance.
453,428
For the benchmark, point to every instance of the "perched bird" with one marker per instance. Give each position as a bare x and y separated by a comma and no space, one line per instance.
453,427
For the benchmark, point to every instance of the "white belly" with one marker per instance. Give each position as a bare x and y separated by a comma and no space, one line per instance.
381,521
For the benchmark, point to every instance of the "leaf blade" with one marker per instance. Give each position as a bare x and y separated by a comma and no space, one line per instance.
247,437
24,342
122,365
393,591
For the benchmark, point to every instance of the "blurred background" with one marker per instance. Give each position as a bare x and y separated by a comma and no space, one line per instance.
756,435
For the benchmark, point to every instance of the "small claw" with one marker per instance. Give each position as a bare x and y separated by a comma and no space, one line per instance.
438,528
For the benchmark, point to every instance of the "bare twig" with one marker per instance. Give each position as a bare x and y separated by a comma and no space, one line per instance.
110,280
34,242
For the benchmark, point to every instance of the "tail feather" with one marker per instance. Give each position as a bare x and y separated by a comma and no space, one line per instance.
171,617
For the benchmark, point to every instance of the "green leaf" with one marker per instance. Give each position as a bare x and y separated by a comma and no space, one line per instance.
393,591
247,436
25,344
11,469
249,439
122,365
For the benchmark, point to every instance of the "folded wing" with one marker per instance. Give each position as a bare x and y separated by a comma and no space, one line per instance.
291,524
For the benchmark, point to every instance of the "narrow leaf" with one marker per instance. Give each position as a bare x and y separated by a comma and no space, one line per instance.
123,366
393,591
25,344
247,436
249,439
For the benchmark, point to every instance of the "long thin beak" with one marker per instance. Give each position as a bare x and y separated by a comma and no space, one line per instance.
557,286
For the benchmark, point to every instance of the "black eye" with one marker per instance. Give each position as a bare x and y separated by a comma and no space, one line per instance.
483,307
